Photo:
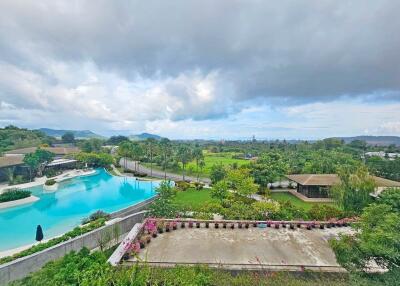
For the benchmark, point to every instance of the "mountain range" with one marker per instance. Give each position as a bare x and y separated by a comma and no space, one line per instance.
79,134
374,140
86,134
144,136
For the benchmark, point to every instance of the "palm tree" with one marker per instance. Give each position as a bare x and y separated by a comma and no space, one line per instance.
137,152
165,146
125,151
184,155
151,144
198,156
10,174
202,164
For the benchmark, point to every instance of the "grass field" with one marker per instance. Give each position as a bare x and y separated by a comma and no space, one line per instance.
210,159
281,197
193,199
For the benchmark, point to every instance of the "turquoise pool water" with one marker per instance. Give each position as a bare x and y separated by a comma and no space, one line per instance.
75,199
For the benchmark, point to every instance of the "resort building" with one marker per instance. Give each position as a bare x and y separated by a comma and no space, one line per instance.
59,152
318,185
14,160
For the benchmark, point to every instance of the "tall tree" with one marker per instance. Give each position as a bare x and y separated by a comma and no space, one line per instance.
37,160
377,239
198,157
68,137
165,146
151,144
125,151
184,156
269,168
353,192
137,153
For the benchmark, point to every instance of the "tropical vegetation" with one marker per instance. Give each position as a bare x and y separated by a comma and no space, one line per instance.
13,194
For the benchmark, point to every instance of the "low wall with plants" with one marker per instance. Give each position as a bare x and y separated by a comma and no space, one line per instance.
101,237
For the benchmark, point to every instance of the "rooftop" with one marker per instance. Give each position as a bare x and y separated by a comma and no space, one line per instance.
332,179
55,150
315,179
9,161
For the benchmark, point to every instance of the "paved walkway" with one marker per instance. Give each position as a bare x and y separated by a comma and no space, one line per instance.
130,165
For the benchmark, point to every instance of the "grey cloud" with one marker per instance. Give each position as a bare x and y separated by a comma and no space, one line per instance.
285,52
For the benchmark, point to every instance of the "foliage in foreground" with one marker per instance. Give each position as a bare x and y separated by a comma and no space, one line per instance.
86,269
377,239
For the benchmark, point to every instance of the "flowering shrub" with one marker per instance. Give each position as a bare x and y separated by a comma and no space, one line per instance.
150,226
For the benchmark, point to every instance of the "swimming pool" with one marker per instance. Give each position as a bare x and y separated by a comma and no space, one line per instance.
64,209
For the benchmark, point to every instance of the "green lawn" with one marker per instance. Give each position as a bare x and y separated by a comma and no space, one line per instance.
281,197
210,159
193,199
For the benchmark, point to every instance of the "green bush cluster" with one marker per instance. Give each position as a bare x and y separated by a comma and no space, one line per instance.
95,216
18,179
184,186
94,159
13,194
238,207
50,172
67,236
50,182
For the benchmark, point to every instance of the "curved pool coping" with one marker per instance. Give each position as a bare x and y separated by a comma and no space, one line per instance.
116,214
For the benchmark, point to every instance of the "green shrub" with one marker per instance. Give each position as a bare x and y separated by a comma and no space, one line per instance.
49,172
288,211
14,194
182,185
324,212
19,179
95,216
239,210
265,209
198,185
50,182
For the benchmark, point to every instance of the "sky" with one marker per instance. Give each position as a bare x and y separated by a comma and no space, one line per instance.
227,69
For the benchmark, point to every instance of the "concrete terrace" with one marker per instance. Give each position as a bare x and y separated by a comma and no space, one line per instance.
253,248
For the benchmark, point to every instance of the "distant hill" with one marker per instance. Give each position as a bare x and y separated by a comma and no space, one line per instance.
374,140
79,134
144,136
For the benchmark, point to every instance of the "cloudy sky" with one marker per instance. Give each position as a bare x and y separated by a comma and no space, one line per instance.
202,69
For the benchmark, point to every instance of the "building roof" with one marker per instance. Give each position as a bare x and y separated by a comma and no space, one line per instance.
10,161
332,179
315,179
382,182
60,162
55,150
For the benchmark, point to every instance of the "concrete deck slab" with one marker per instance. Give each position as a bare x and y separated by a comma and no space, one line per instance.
244,247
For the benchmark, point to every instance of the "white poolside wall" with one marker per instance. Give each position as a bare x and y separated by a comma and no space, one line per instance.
21,267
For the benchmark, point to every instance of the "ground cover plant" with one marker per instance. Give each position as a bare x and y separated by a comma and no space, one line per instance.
286,196
193,199
13,194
